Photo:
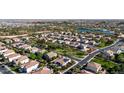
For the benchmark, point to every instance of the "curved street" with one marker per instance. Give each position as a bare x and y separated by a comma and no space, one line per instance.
90,56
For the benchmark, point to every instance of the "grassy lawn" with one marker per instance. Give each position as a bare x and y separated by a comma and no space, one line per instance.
15,69
70,52
106,64
104,43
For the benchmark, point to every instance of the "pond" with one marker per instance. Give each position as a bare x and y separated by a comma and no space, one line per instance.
104,31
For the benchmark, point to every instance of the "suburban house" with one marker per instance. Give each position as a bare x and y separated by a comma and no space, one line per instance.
92,42
77,39
21,60
1,44
45,70
83,47
74,44
122,48
54,40
62,61
49,56
25,38
34,50
13,57
17,44
29,66
94,67
8,52
25,46
42,50
121,35
98,37
116,50
16,39
86,72
61,41
85,41
3,49
67,42
8,41
108,54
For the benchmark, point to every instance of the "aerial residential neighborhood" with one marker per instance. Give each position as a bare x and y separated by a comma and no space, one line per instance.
62,47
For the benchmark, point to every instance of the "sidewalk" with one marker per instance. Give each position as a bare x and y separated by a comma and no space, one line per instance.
9,69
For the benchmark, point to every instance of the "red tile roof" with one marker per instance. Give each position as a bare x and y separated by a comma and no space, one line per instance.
45,70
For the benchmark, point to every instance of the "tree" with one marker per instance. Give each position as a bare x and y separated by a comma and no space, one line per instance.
120,58
122,68
32,56
39,56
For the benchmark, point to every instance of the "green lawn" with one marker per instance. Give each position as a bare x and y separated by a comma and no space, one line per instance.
106,64
104,43
70,52
15,69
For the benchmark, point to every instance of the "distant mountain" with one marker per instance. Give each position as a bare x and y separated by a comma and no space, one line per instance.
31,20
28,21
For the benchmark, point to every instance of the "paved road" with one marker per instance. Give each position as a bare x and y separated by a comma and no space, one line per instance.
5,70
90,56
14,36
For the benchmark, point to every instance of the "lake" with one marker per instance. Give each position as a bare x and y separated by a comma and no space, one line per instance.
104,31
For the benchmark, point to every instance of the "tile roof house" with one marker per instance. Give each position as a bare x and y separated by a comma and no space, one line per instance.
42,50
109,53
21,60
61,41
83,47
3,49
45,70
25,38
8,52
94,67
50,55
34,49
62,61
17,44
1,44
25,46
122,48
67,42
13,57
98,36
54,40
74,44
86,72
29,66
116,50
85,41
8,41
121,35
92,42
77,39
16,39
